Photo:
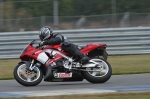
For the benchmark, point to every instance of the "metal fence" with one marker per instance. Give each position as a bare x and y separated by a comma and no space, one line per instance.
77,22
119,40
30,15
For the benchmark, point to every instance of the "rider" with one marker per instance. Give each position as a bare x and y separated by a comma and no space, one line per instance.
47,37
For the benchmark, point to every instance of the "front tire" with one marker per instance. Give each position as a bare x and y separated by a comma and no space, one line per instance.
27,78
98,76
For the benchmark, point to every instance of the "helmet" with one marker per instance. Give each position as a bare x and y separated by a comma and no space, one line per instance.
45,32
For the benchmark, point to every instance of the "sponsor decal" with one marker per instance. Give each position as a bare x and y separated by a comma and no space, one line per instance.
62,75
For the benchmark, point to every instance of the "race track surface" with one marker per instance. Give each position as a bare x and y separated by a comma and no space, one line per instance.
117,83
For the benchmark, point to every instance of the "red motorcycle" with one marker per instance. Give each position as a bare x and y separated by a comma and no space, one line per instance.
55,65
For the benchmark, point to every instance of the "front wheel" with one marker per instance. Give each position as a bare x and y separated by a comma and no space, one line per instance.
100,73
26,77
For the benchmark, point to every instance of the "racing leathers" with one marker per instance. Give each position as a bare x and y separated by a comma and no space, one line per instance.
67,46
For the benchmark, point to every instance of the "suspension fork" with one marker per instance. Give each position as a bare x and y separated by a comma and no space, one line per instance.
31,67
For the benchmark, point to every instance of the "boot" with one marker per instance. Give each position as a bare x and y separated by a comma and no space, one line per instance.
75,51
84,59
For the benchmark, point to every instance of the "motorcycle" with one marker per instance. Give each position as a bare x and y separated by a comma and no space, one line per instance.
52,64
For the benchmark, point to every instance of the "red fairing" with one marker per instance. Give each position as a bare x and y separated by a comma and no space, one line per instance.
91,47
56,47
31,52
34,52
53,60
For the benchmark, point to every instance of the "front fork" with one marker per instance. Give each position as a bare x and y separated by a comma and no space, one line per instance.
32,65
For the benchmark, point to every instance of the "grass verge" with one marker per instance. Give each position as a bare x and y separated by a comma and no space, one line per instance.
125,64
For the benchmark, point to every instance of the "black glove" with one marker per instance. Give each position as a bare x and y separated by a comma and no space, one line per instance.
41,43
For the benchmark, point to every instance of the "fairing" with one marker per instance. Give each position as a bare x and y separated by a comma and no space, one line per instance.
91,47
34,53
41,56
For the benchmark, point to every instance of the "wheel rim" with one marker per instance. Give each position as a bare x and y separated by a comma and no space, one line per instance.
26,75
99,71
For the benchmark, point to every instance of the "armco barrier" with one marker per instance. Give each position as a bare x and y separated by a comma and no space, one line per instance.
120,41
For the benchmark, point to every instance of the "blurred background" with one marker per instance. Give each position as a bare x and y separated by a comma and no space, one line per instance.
124,25
30,15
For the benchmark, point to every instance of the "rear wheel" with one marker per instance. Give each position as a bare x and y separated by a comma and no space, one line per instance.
100,73
26,77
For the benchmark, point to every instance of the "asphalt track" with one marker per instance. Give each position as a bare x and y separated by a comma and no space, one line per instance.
117,83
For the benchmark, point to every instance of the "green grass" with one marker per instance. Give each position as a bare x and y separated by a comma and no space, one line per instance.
7,67
126,64
130,64
137,95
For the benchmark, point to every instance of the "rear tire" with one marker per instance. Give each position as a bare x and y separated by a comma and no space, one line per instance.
99,79
21,79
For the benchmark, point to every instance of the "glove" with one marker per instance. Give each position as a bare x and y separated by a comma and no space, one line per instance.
41,43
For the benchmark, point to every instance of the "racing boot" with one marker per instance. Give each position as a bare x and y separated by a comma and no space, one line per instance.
83,58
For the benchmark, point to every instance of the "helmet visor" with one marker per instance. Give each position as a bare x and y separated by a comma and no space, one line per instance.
41,37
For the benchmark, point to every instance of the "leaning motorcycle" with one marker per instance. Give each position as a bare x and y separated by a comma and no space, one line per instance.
52,64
